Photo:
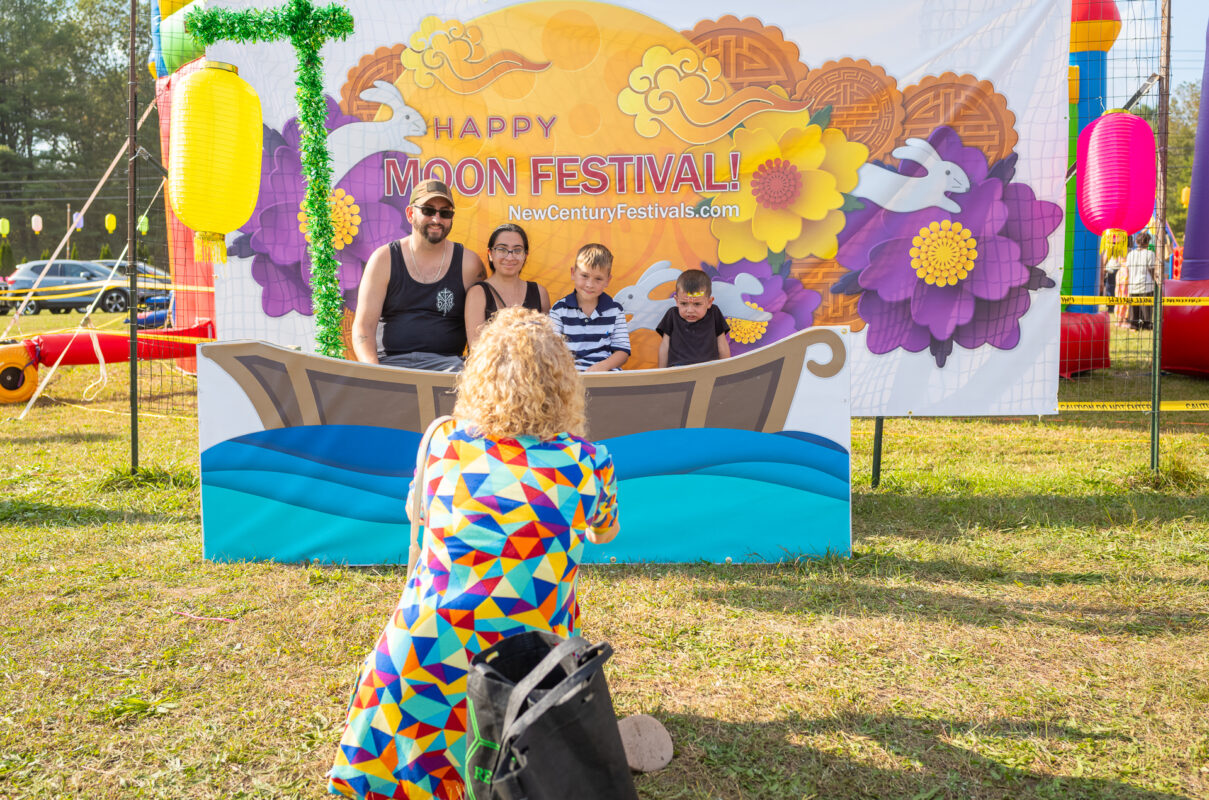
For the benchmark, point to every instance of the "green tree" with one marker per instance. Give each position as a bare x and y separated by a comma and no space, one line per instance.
63,110
106,253
1185,109
7,260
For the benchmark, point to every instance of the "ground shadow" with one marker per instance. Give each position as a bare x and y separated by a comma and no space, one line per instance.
23,512
803,591
876,564
770,760
952,516
80,437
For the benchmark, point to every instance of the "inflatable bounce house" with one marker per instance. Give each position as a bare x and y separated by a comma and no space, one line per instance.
1186,328
875,189
1095,25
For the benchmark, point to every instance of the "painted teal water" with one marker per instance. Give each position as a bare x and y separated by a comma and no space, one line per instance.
337,493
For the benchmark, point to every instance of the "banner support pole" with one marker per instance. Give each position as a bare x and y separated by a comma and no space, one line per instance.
877,451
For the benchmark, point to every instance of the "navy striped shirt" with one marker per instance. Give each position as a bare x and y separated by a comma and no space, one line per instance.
593,338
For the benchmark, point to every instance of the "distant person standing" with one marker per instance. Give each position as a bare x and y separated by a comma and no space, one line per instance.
1111,265
1140,266
416,287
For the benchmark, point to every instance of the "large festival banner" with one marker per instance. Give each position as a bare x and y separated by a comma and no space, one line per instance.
894,167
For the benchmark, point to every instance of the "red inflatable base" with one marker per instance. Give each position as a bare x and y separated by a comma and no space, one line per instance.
1186,330
82,347
1084,343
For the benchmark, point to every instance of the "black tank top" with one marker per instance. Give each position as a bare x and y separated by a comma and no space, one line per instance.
494,302
424,317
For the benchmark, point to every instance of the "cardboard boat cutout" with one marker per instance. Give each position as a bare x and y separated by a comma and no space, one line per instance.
742,459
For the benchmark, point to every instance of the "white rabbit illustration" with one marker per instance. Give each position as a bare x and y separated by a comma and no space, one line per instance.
729,298
349,144
646,312
894,191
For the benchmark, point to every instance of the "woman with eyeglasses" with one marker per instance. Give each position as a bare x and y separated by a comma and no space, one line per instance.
507,249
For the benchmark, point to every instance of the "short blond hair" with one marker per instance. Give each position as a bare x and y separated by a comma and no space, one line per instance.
595,256
520,379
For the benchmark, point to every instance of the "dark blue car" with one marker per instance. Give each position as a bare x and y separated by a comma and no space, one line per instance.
66,285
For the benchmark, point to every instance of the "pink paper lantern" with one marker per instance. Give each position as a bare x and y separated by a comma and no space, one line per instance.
1117,173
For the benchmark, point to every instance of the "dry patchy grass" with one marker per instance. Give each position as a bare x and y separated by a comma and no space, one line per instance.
1026,615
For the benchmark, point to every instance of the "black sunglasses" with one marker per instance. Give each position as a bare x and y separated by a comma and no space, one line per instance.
429,211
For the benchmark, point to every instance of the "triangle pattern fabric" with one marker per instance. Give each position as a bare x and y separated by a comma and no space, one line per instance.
507,525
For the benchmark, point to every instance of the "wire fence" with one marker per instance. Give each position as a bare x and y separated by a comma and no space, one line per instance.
1110,370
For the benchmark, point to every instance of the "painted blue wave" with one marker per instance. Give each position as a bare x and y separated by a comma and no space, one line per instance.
338,492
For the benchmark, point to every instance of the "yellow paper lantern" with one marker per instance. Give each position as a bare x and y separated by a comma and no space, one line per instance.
170,7
214,155
4,227
111,223
1185,194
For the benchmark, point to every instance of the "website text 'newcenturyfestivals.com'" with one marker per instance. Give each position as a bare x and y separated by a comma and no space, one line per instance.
556,212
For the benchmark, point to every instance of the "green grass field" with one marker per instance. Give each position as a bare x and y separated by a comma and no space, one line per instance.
1025,615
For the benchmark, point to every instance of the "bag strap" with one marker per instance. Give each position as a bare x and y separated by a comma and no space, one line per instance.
416,511
599,654
525,686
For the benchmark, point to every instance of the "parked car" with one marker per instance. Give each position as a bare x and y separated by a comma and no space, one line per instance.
152,277
67,285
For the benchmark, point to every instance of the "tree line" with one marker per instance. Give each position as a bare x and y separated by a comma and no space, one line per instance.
1184,110
63,116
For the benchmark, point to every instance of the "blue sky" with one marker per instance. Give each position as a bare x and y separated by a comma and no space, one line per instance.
1135,55
1188,21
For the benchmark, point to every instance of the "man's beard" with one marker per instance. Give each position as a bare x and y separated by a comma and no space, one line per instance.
435,237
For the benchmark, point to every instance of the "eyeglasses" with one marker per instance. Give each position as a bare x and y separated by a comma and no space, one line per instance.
429,211
500,251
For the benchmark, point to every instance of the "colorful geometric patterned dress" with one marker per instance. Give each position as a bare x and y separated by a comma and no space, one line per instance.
507,521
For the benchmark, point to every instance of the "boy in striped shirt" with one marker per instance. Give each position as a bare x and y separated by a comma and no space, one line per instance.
592,322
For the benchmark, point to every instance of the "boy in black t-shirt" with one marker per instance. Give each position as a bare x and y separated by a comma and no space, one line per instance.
694,330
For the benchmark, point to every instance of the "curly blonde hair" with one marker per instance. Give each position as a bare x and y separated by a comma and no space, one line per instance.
520,380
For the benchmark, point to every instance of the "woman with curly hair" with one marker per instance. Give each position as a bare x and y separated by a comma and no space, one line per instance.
513,490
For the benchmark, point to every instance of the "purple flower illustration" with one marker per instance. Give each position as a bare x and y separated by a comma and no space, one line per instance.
792,305
276,235
934,278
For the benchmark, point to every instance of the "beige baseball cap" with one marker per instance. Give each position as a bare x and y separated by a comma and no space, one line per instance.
427,190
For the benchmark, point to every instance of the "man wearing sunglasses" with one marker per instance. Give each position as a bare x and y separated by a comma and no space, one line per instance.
416,287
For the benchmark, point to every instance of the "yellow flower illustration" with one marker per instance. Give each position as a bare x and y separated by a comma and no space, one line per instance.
346,219
792,176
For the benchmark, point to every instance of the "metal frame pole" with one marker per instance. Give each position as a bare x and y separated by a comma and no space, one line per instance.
1161,239
131,262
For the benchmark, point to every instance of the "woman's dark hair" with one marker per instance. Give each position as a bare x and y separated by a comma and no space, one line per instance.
507,227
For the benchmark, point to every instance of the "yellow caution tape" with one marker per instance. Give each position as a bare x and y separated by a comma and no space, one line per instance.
1097,300
1164,405
1186,301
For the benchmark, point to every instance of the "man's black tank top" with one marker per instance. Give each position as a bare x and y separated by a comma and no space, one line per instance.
424,317
494,302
